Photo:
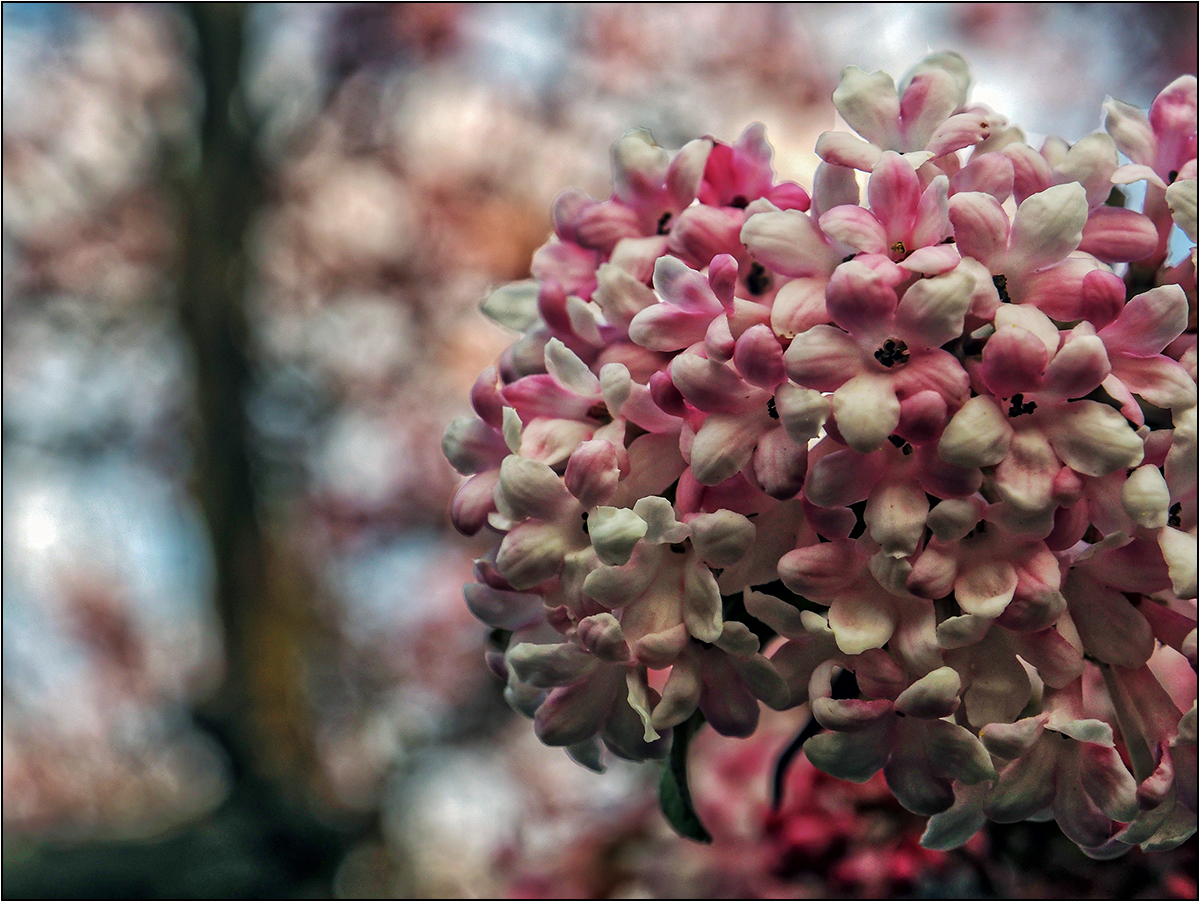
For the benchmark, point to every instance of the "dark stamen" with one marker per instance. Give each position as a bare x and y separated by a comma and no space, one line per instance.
771,411
899,249
1021,406
740,202
1174,519
892,352
1001,283
1171,176
585,526
896,441
758,280
599,411
663,223
678,547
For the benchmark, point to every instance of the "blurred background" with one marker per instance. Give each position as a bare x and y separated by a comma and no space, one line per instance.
244,248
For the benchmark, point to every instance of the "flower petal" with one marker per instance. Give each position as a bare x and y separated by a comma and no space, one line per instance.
867,411
1047,227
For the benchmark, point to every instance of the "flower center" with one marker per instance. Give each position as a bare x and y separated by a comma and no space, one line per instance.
1021,406
898,249
1001,283
1174,519
905,448
771,411
893,351
758,280
664,223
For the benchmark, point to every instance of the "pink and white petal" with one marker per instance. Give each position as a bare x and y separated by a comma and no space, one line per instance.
855,228
861,621
1014,361
866,411
1047,227
798,306
546,666
686,171
1058,661
474,502
471,445
680,285
870,105
601,635
1091,161
1112,629
782,617
980,228
1149,322
1057,291
959,131
823,358
956,825
530,554
1078,816
501,609
957,752
661,526
727,703
802,411
701,603
552,441
1102,297
834,185
933,370
680,695
779,464
923,417
723,446
1118,235
1130,130
895,518
639,166
569,371
842,150
1173,118
1136,172
861,300
1107,782
850,756
1179,551
654,463
1181,199
932,311
1013,740
933,261
985,587
665,327
1145,497
1031,172
701,233
637,255
1025,478
1079,366
721,538
932,224
821,572
614,532
758,357
620,296
624,732
929,98
933,574
1093,439
979,435
843,477
573,714
710,386
987,173
933,696
1026,787
528,488
790,243
893,194
614,586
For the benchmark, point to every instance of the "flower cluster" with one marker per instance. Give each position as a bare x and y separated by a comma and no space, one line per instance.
924,460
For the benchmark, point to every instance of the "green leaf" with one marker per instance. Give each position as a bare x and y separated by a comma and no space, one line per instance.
673,793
